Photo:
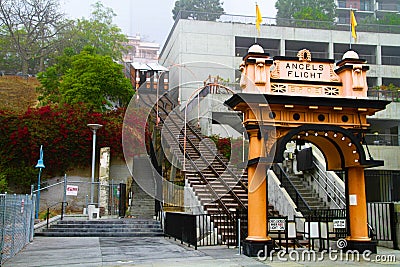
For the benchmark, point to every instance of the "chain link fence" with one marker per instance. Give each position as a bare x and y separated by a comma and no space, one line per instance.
17,213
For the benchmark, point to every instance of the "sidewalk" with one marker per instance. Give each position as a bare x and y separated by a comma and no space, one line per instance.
155,251
111,251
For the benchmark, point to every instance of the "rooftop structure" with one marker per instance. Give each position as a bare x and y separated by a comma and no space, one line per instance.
140,51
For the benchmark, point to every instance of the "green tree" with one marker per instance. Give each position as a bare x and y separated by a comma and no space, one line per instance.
209,10
387,19
324,10
98,31
95,80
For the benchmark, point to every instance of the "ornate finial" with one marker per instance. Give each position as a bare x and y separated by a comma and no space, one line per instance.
304,55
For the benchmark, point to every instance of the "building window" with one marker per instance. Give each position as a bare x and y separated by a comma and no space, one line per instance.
242,45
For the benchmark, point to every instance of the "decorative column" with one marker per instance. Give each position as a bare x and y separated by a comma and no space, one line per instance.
104,178
357,208
257,239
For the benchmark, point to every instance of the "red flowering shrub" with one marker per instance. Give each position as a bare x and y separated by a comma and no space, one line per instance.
231,148
66,140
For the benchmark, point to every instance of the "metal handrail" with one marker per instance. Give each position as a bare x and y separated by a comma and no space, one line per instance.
196,168
284,179
203,178
334,188
326,192
211,191
210,165
214,154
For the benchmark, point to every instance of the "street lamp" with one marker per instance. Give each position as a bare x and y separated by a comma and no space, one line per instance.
39,165
94,127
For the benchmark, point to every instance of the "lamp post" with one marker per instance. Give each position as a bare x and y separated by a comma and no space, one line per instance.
39,165
94,127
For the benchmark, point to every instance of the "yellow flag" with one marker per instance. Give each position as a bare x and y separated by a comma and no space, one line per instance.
353,24
258,19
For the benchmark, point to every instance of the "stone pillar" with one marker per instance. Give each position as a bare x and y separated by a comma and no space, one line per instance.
331,50
104,178
378,55
357,208
282,47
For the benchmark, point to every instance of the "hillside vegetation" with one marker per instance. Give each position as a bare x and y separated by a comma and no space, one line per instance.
17,94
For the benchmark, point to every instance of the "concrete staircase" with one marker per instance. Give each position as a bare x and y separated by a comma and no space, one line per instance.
307,192
143,189
104,228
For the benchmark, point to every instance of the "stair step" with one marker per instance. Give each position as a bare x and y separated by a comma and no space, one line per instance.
104,228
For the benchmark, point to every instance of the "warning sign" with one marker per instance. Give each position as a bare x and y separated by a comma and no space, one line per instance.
277,224
72,190
339,224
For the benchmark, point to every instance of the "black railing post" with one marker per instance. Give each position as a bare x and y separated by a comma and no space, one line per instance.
62,210
393,222
47,218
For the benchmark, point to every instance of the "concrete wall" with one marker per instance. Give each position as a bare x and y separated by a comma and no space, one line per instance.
389,154
392,111
81,178
279,198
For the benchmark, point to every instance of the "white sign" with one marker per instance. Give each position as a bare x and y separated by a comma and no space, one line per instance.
353,200
72,190
339,224
277,224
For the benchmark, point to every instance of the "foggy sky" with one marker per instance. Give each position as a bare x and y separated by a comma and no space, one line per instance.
152,19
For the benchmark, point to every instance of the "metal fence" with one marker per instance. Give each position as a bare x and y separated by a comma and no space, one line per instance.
206,229
382,218
17,214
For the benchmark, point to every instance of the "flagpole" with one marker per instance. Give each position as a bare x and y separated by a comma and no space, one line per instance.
351,34
255,37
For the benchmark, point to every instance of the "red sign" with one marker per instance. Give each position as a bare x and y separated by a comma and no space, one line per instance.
72,190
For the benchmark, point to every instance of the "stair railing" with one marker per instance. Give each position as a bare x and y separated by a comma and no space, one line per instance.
301,204
341,199
337,200
211,191
237,199
216,156
197,170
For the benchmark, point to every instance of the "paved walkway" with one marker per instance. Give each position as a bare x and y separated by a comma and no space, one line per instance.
159,251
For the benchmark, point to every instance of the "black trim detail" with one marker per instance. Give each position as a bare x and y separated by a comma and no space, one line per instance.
258,160
314,60
351,61
267,61
306,101
258,127
306,82
258,55
349,67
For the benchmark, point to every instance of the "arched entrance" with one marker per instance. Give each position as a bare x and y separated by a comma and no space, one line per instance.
341,147
314,101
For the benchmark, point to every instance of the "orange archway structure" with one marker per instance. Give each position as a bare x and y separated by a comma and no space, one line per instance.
308,100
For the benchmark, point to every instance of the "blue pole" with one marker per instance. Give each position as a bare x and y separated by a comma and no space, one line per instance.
39,165
38,194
